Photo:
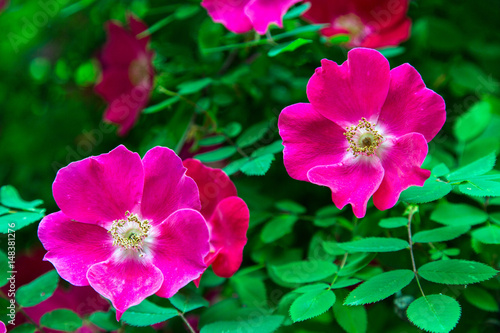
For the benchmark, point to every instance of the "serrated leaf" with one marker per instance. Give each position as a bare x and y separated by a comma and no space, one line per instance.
473,122
212,140
290,207
10,197
480,188
433,189
476,168
434,313
258,166
311,288
393,222
19,220
481,299
261,324
216,155
37,290
105,320
440,234
353,319
374,244
456,271
235,166
380,287
487,235
253,134
24,328
188,300
147,313
311,304
305,271
273,148
62,320
458,214
288,46
278,227
251,290
355,264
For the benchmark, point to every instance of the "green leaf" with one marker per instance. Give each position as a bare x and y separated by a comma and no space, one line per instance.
473,122
162,105
433,189
440,234
339,38
356,263
326,216
458,214
232,129
259,166
18,220
380,287
87,74
481,299
10,197
278,227
312,287
390,52
311,304
290,207
235,166
297,11
273,148
345,283
434,313
305,271
253,134
212,140
374,244
300,30
393,222
105,320
37,290
477,168
62,320
186,11
480,188
147,313
216,155
487,235
251,290
288,46
284,307
333,248
188,300
440,170
4,269
24,328
352,319
191,87
456,271
4,210
261,324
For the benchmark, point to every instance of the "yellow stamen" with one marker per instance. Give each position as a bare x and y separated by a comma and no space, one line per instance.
363,138
130,233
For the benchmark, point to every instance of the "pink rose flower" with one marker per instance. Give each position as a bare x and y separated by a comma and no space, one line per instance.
240,16
365,131
226,214
127,74
374,23
129,228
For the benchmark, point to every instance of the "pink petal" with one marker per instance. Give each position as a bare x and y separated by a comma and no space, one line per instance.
358,88
3,329
381,14
228,227
231,13
121,48
100,189
213,184
263,13
401,162
125,282
353,181
391,36
180,249
115,84
410,106
166,186
73,247
326,11
137,27
309,139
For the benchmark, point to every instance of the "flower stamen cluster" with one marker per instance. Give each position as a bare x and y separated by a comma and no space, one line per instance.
363,138
130,233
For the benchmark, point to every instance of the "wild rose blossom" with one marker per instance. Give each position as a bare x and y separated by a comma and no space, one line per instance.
364,132
373,24
129,228
127,73
226,214
240,16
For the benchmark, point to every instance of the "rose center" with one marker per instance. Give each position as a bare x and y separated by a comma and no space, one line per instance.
130,233
139,71
353,26
363,138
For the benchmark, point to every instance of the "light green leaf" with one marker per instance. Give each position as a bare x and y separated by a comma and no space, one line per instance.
278,227
288,46
458,214
62,320
188,300
374,244
290,207
433,189
216,155
440,234
251,290
105,320
305,271
345,283
481,299
434,313
487,235
297,11
326,216
440,170
4,210
473,122
10,197
352,319
259,166
477,168
273,148
147,313
37,290
253,134
235,166
212,140
24,328
311,304
333,248
261,324
391,52
18,220
456,271
312,287
480,188
393,222
190,87
380,287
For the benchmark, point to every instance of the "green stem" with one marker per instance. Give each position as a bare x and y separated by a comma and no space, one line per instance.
410,241
342,264
190,328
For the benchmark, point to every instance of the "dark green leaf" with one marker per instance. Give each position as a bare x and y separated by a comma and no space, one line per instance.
162,105
345,283
481,299
216,155
440,234
311,304
305,271
473,122
190,87
456,271
24,328
253,134
458,214
290,207
356,262
288,47
251,290
312,287
232,129
278,227
352,319
434,313
261,324
4,269
374,244
37,290
105,320
188,300
147,313
62,320
487,235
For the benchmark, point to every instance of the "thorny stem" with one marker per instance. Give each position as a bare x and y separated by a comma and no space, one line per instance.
190,328
410,241
20,309
342,264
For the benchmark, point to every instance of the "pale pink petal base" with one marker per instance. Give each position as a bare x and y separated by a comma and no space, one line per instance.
263,13
179,250
353,181
73,247
401,163
231,13
125,283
